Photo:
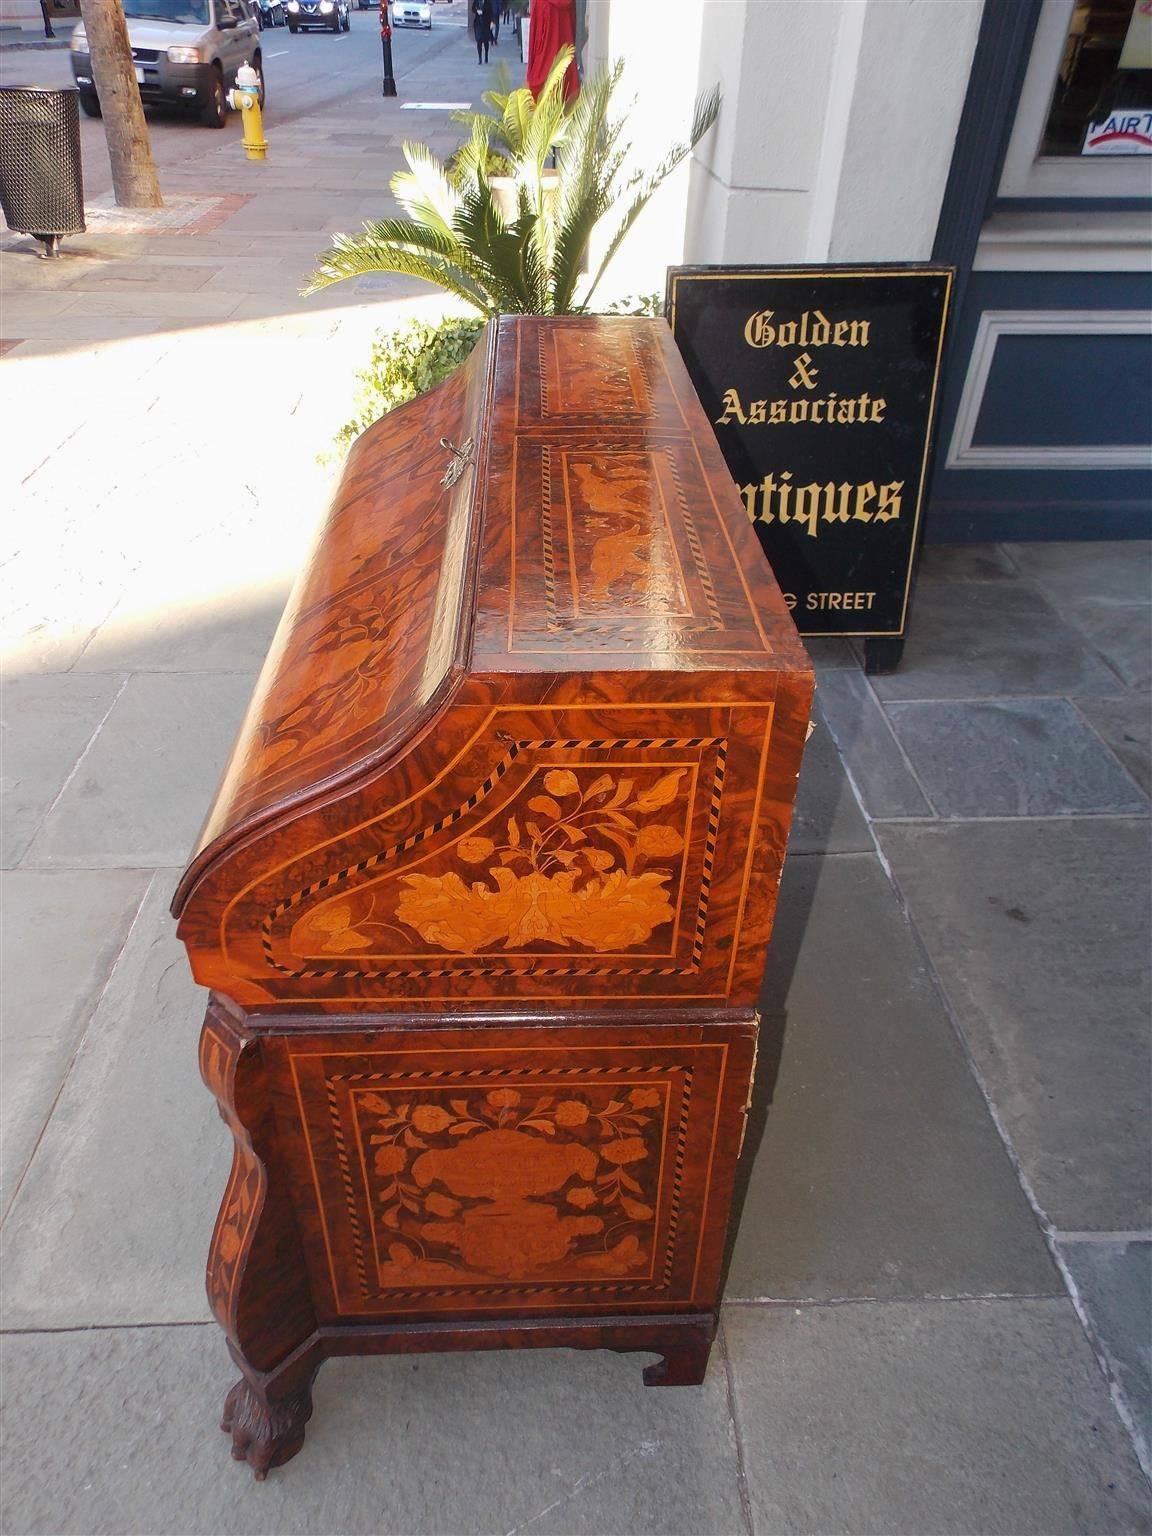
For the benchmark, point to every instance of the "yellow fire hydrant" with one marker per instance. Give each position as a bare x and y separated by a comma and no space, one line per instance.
245,99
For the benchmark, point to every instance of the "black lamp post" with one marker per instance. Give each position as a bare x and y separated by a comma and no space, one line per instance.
386,44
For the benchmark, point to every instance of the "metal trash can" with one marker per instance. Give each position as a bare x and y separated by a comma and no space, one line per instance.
41,177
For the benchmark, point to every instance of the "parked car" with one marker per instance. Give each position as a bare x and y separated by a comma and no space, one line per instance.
412,13
331,15
273,13
367,5
186,54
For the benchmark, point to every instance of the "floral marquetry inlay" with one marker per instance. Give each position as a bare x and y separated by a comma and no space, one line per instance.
512,1183
584,859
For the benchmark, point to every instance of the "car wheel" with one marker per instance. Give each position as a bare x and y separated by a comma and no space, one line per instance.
215,113
90,104
348,20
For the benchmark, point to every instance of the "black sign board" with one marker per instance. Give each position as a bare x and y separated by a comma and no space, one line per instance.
820,384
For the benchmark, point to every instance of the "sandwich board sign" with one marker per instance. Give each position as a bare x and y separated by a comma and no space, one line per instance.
820,384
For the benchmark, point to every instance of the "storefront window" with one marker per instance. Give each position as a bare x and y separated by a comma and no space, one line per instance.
1102,104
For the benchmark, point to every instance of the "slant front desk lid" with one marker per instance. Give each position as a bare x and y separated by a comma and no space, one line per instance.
532,720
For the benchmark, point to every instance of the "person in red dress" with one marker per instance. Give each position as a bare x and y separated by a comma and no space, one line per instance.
552,23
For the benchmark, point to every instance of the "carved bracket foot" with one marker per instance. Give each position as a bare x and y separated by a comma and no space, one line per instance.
685,1362
265,1434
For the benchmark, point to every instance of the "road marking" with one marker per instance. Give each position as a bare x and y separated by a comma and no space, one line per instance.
435,106
283,54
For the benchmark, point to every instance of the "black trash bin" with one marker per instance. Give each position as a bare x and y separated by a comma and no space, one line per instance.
41,178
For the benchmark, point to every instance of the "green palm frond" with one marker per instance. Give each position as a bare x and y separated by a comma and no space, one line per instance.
705,114
495,250
372,251
425,190
526,257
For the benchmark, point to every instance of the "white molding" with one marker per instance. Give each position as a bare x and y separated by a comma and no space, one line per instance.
1026,172
1064,242
994,323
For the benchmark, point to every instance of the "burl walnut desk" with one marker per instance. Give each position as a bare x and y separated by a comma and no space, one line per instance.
484,897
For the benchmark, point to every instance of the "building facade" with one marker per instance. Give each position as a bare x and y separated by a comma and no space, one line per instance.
1010,138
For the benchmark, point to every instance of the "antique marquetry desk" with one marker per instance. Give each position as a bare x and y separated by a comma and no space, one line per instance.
484,897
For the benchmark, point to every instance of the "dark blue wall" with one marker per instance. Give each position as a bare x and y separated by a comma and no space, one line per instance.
1048,390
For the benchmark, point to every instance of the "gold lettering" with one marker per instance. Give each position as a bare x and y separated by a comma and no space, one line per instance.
757,331
864,494
889,507
767,487
732,409
776,499
816,334
806,507
812,329
846,601
756,412
778,412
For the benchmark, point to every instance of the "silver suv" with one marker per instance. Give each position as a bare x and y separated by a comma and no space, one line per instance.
186,54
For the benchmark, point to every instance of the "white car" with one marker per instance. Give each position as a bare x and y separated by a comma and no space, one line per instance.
412,13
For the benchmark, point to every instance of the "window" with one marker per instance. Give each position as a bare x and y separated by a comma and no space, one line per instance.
1105,76
1086,104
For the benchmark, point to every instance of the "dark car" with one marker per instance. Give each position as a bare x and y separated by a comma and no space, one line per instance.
273,13
331,15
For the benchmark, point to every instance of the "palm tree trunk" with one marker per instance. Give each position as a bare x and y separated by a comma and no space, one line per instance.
134,179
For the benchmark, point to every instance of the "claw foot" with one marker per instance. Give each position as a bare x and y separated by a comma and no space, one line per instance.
264,1434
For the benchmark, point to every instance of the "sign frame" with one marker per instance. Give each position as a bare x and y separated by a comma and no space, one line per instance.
881,642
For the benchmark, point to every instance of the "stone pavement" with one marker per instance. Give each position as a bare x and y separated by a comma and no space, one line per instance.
937,1307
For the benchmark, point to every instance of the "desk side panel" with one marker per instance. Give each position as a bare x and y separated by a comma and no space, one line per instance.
574,851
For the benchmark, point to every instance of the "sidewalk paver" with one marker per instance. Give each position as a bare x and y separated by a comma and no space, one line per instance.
877,1171
1112,1281
902,1418
1038,930
114,1431
112,1221
1011,757
47,722
143,788
971,640
62,933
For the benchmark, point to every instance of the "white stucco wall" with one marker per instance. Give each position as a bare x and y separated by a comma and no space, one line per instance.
660,48
915,59
836,133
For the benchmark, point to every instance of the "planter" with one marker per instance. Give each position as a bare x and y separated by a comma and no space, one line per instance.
504,193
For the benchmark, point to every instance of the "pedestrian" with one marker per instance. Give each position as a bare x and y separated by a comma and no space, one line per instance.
482,28
496,8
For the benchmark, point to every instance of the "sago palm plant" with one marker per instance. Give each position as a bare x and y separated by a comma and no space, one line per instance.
526,254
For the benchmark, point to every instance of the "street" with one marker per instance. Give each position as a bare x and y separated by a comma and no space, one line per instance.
313,72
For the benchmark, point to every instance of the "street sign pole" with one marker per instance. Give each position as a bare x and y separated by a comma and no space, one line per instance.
389,88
